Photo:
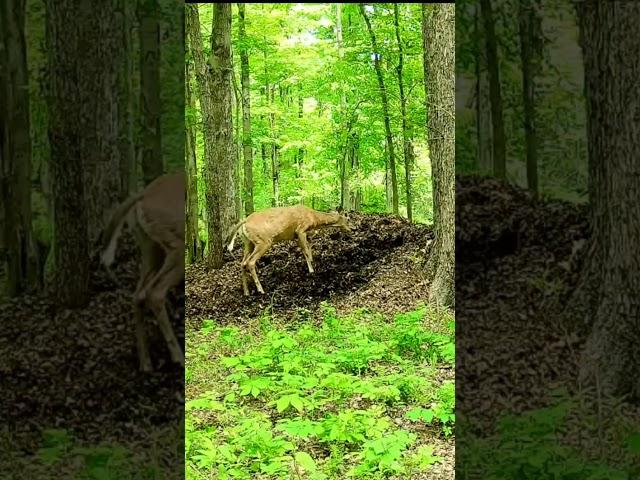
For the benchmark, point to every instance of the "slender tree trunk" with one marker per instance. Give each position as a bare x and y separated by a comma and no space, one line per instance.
16,237
222,73
246,113
237,98
406,135
483,103
211,130
275,161
192,232
526,29
499,148
385,109
126,102
439,72
610,357
152,163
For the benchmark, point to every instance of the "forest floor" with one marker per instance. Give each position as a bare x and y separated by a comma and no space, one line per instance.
518,260
363,280
73,399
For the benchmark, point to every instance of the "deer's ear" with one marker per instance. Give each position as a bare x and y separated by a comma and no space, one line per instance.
339,209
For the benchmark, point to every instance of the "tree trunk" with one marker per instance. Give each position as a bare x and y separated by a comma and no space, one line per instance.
211,130
483,103
67,35
406,135
526,17
192,232
385,109
126,102
246,113
439,73
222,72
152,164
497,121
237,98
610,357
275,162
16,237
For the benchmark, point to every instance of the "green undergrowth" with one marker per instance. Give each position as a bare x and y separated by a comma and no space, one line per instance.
62,455
358,396
537,445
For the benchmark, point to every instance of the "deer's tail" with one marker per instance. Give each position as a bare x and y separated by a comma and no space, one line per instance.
114,229
233,233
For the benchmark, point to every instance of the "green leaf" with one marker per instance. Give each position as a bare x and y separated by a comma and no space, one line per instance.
305,460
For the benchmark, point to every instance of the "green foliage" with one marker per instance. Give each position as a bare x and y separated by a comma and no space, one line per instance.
315,399
531,447
294,47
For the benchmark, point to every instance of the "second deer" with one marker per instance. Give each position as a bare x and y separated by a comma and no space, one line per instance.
262,229
156,218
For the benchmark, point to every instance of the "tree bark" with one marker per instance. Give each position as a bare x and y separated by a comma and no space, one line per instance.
495,95
385,109
439,73
16,237
152,163
526,20
210,131
406,134
483,103
67,35
611,280
126,102
246,112
222,72
194,254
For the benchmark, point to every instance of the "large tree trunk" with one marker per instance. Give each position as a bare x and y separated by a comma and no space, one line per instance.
16,238
68,33
499,148
210,132
222,72
611,280
439,72
406,134
527,31
192,233
385,109
246,113
152,164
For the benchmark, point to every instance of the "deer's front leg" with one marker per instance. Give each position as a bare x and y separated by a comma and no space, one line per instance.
306,250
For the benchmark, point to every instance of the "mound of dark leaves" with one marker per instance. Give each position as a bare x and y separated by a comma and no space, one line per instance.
340,261
515,264
78,369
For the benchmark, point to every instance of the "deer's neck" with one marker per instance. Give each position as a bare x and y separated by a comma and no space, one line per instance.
324,220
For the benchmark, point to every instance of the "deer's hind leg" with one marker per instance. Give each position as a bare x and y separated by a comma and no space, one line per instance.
258,251
248,250
168,276
152,258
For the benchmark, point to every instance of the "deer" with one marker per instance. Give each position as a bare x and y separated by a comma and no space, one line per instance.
260,230
155,216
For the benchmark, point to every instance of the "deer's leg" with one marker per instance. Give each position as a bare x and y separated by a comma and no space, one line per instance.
168,276
259,250
306,250
151,261
248,248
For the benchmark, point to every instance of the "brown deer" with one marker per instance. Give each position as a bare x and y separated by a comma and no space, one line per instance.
262,229
156,218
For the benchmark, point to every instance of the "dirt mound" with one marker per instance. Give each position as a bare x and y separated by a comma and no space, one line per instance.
513,271
342,263
77,369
